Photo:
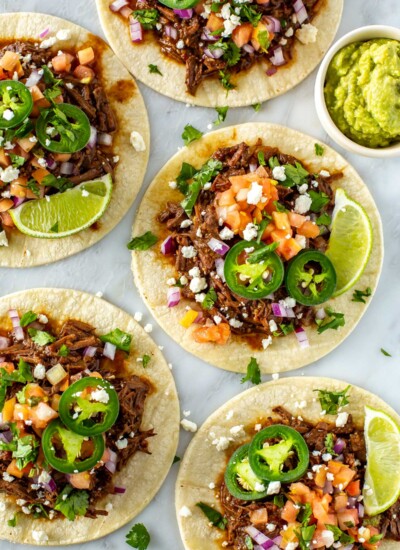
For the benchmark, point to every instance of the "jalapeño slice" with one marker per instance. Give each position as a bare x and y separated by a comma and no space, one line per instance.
90,406
69,452
311,278
269,462
63,128
179,4
240,479
16,103
249,279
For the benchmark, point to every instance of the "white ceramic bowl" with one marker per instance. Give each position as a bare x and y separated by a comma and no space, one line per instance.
363,33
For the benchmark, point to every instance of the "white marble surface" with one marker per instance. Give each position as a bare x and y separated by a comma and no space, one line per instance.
106,266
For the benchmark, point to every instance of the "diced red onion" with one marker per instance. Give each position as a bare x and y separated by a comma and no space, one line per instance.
171,32
6,436
51,163
207,36
271,71
252,167
184,14
277,540
4,342
361,509
135,29
44,33
118,4
219,267
270,296
105,139
34,78
93,137
200,318
173,296
248,48
301,12
272,23
281,311
66,168
36,325
214,54
90,351
278,58
167,246
259,537
111,463
18,333
218,246
339,446
328,487
50,486
119,490
13,314
126,12
301,336
111,467
109,350
351,502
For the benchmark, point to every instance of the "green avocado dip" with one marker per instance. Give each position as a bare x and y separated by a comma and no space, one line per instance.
362,92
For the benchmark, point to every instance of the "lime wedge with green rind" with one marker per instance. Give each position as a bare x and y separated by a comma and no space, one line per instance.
350,242
382,477
64,214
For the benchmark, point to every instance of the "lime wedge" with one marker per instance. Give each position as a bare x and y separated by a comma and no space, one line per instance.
382,476
65,213
350,242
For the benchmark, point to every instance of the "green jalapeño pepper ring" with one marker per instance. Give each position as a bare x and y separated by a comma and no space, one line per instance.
311,278
179,4
90,406
240,479
66,451
63,128
252,280
16,103
268,461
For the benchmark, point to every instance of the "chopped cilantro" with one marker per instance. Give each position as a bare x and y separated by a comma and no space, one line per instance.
253,374
208,171
334,320
340,536
359,295
118,338
12,522
261,227
216,518
72,503
187,172
27,451
256,107
63,351
295,175
210,299
143,242
222,112
306,513
374,539
331,401
250,13
190,134
154,69
279,501
16,160
329,444
146,360
386,353
22,375
305,536
319,200
273,162
176,459
261,158
324,219
34,187
138,537
263,40
62,184
147,18
248,542
225,79
279,207
231,51
287,329
54,228
28,318
319,150
40,337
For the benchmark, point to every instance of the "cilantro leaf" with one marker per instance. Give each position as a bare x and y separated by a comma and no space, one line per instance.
359,295
28,318
374,538
49,78
118,338
62,184
176,459
16,160
63,351
22,375
222,112
295,175
12,522
261,158
279,207
306,514
54,228
146,360
329,444
319,200
138,537
273,162
253,374
250,13
231,51
258,255
262,226
248,542
319,150
225,79
190,134
263,40
287,329
333,321
386,353
27,451
187,172
305,536
208,171
210,299
40,337
324,219
143,242
147,18
256,107
154,69
34,187
279,501
72,503
340,536
215,517
331,401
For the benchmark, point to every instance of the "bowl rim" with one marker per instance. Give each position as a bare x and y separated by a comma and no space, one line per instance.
368,32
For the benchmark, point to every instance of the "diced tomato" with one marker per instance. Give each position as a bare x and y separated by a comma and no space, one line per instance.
214,23
62,157
278,235
281,221
300,493
289,248
55,401
9,61
14,471
64,384
353,488
343,477
40,174
289,512
226,198
242,34
8,410
259,516
4,158
36,93
42,103
26,144
21,412
62,63
42,414
18,69
6,219
309,230
84,74
296,220
199,8
373,531
341,502
18,187
245,219
320,476
233,220
263,1
257,215
347,518
86,56
83,480
34,390
6,204
289,534
241,197
334,467
219,334
261,171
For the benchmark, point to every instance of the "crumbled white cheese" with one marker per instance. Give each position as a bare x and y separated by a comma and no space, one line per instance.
39,536
326,457
289,32
324,173
259,487
278,173
302,204
148,328
257,427
171,281
266,342
194,272
8,477
238,431
138,316
39,371
217,319
270,527
186,413
273,327
48,43
122,443
137,142
188,425
108,507
197,284
184,512
186,223
250,232
172,184
2,506
63,34
188,251
44,477
100,395
9,174
230,25
341,419
180,44
275,376
302,188
183,280
3,238
200,297
211,485
301,240
292,545
226,234
255,193
221,443
307,34
8,114
235,323
274,487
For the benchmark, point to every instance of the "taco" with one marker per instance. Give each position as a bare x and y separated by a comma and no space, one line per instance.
295,463
259,239
89,417
215,53
74,139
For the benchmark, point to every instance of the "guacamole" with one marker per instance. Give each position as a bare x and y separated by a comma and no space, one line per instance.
362,92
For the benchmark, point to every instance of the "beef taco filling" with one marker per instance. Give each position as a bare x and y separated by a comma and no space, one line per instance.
222,39
56,125
248,242
300,485
71,416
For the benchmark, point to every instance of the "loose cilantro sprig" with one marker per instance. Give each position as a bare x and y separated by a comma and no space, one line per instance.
154,69
190,134
147,18
360,295
222,112
331,401
340,536
319,150
72,503
385,353
253,374
319,200
333,321
118,338
143,242
146,360
138,537
28,318
40,337
210,299
295,175
225,79
215,517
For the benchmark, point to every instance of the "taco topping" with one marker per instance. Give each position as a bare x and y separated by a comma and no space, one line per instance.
248,242
70,415
300,485
56,124
220,39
